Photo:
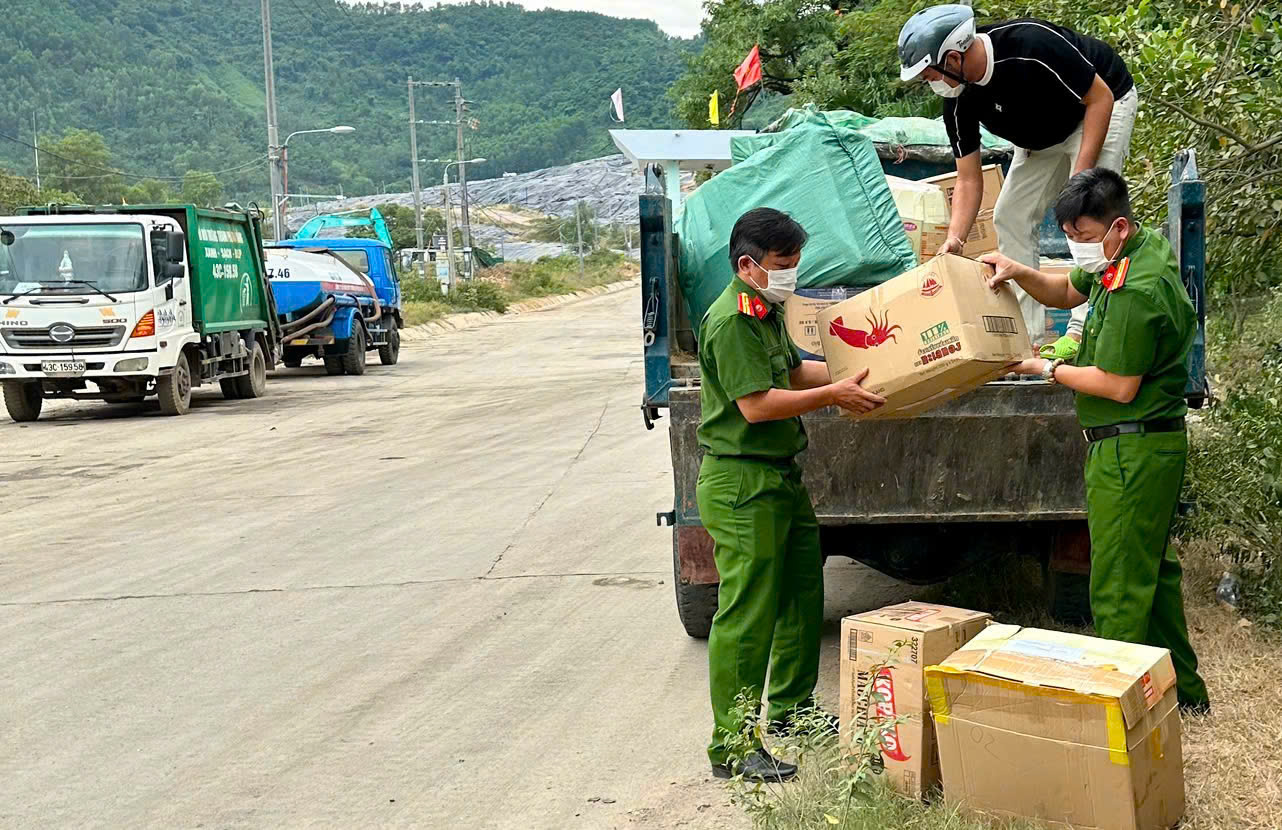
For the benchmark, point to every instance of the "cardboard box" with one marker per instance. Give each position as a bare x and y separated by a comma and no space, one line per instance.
1075,731
801,313
926,336
982,238
993,181
929,633
921,205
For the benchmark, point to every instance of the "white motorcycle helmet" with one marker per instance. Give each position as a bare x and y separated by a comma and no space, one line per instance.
932,33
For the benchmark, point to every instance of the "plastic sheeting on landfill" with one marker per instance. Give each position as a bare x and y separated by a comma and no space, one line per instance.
826,176
923,139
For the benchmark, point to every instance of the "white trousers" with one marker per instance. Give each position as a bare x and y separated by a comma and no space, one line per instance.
1035,179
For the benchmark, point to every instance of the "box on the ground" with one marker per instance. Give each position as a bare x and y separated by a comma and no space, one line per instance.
926,336
921,205
801,312
993,181
871,656
1075,731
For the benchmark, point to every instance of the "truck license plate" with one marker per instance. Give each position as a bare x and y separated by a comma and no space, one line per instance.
62,367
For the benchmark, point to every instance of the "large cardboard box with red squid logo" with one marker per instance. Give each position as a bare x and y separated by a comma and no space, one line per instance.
926,336
884,655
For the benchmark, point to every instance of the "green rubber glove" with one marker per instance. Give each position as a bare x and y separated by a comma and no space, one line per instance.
1064,348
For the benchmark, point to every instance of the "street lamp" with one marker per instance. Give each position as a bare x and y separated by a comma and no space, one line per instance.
281,157
449,221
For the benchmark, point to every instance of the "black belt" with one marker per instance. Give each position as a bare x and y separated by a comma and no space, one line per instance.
1138,428
785,463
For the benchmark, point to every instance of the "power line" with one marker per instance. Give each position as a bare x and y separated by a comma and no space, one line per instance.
109,172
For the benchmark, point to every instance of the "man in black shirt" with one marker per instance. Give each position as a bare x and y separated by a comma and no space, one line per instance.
1066,101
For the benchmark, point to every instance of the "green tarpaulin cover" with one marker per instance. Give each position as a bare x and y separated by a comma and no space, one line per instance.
825,175
906,133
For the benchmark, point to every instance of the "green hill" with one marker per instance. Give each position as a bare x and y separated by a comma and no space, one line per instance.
178,84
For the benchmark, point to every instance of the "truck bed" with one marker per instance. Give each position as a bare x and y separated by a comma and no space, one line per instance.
1007,452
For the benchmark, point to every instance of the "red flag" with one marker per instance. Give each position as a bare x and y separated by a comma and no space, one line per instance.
749,72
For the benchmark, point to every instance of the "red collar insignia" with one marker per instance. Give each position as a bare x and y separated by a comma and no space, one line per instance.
1115,275
752,306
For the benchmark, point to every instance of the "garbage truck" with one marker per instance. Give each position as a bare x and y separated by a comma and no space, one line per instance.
120,303
919,499
337,302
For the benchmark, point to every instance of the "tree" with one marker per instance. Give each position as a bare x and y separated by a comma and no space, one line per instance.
1208,79
202,189
80,162
148,192
16,192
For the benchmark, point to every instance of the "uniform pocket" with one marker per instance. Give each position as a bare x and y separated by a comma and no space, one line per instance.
779,370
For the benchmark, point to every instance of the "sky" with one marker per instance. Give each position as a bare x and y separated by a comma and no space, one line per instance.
676,17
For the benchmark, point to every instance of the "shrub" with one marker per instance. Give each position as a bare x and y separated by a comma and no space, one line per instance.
1235,460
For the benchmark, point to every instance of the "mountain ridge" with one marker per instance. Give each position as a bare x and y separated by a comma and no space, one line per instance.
173,86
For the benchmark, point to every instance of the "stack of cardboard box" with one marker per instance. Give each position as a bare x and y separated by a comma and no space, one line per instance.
983,233
1074,731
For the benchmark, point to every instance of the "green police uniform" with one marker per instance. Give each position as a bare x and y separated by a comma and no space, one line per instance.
752,502
1144,326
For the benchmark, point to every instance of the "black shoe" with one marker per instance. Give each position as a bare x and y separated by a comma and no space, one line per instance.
759,766
1195,710
829,726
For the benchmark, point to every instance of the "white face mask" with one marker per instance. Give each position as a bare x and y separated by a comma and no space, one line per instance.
1090,256
782,283
943,90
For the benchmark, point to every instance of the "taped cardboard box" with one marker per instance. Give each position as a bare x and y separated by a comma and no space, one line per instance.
870,657
801,316
921,205
927,336
993,181
1076,731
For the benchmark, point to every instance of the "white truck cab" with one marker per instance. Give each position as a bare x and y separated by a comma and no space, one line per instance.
99,305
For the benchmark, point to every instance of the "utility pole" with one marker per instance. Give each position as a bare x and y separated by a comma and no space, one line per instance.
449,222
578,232
36,143
273,136
418,199
459,106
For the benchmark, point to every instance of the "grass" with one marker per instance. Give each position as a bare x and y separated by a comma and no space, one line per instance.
1231,758
497,288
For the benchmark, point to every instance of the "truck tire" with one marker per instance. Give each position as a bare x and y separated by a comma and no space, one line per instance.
23,399
1068,596
254,384
1066,574
334,364
354,358
124,399
391,352
696,604
174,389
230,391
292,364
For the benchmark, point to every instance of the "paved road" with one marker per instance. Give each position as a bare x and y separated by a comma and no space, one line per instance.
431,596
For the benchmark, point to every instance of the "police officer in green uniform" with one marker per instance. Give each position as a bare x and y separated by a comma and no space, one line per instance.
754,387
1129,377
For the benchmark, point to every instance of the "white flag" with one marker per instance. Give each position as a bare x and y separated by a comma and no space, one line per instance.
617,101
